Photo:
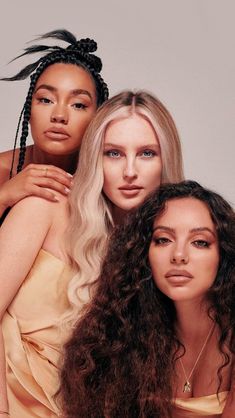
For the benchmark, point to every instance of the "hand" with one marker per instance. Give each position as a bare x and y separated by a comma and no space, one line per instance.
34,180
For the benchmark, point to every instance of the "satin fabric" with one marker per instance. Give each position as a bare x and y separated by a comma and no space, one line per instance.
33,338
203,406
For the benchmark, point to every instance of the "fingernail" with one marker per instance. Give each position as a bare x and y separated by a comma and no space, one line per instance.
66,190
56,198
69,175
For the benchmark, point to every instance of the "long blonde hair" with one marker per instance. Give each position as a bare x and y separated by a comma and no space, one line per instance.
90,215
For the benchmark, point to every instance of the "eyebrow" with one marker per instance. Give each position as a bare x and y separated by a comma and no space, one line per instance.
200,229
110,144
75,92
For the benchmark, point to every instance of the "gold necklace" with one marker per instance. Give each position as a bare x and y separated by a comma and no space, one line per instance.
187,384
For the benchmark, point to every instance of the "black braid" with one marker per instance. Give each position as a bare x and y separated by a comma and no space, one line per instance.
78,52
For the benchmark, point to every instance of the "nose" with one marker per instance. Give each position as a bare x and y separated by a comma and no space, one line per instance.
179,255
130,170
59,115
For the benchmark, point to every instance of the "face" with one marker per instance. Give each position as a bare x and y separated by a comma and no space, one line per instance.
132,162
184,253
64,101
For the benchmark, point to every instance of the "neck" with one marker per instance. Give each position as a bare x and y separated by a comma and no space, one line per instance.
192,319
66,162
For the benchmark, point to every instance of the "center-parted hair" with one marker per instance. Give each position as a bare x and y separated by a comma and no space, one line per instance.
78,52
120,359
91,213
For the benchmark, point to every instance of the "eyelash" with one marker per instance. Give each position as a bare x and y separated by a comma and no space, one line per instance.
161,240
79,106
199,243
44,100
111,152
76,106
150,152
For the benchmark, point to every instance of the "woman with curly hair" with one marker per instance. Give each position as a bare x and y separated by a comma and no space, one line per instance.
158,337
130,147
65,90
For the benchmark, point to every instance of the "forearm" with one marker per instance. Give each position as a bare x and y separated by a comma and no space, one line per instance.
3,205
4,201
3,387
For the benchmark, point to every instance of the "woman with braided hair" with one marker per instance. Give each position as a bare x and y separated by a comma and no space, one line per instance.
65,90
46,275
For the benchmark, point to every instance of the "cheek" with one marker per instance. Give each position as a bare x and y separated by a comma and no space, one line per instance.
157,262
153,175
111,173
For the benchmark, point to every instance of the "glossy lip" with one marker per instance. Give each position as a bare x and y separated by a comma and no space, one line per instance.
178,276
130,187
177,272
57,133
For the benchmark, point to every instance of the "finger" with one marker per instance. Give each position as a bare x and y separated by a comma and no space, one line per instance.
45,194
46,182
49,173
57,177
48,167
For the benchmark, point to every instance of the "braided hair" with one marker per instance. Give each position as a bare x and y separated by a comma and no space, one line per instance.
79,52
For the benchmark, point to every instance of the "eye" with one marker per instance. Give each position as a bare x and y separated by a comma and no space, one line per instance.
112,153
201,243
161,240
148,153
79,106
44,100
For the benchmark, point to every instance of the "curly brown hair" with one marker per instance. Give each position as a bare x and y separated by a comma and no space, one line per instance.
120,359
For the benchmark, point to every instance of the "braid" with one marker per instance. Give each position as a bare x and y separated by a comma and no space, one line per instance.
79,52
25,124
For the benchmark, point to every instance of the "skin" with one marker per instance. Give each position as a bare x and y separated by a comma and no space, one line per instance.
179,245
132,163
185,243
136,163
64,101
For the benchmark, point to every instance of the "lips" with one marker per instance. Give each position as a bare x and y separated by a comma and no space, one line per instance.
178,273
130,187
130,190
57,133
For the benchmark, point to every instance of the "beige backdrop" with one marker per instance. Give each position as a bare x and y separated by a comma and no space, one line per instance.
181,50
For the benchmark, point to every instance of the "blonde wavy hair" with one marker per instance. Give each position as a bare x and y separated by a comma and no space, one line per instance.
90,214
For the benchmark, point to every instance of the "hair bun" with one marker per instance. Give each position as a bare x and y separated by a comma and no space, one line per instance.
87,45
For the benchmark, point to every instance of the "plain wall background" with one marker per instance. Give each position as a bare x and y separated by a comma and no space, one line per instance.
181,50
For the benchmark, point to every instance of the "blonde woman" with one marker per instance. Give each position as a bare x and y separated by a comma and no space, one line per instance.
129,149
132,141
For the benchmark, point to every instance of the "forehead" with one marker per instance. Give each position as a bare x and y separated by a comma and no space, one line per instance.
185,213
67,76
133,127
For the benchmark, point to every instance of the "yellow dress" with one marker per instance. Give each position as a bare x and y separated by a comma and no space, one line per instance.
202,406
33,338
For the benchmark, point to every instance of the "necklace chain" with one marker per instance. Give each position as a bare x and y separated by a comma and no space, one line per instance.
187,384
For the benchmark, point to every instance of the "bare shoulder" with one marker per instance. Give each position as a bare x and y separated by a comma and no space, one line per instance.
37,208
5,165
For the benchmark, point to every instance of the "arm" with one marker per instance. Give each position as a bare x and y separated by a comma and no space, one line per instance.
34,180
21,237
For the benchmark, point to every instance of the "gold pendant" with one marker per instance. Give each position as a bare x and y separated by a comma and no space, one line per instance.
187,387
